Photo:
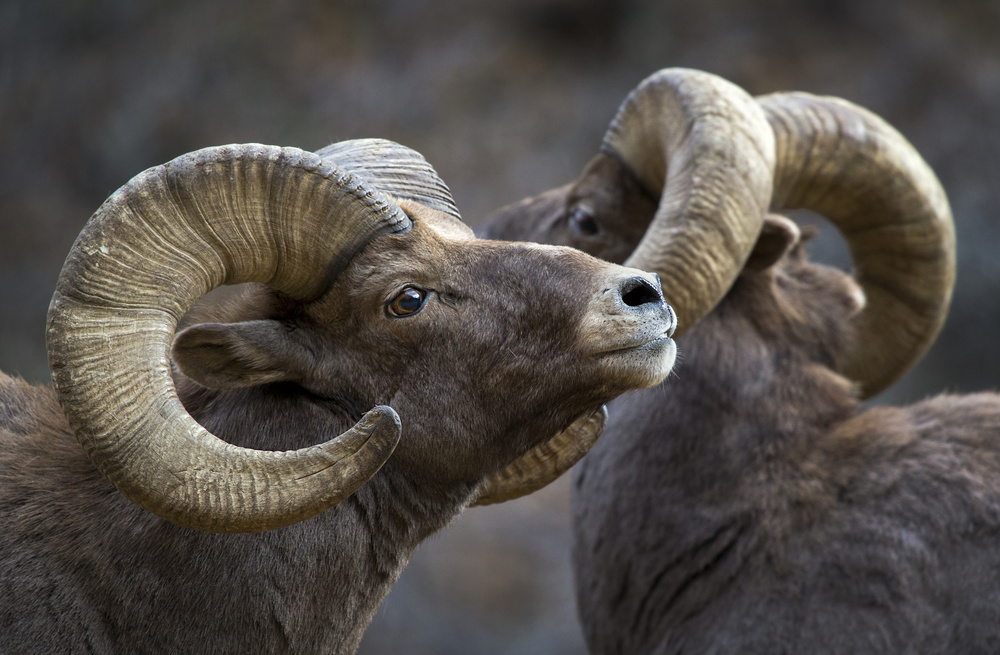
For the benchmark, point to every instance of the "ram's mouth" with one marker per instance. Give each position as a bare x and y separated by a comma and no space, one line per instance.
642,362
645,337
641,343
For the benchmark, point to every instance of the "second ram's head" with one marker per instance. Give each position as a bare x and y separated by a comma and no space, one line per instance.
686,177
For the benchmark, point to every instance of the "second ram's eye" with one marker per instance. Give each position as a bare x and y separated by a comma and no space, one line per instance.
409,301
581,219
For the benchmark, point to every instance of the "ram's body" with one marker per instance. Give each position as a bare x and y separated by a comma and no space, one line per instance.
484,350
750,505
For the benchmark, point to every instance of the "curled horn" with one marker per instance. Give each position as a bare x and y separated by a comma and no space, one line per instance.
225,215
849,165
703,146
545,462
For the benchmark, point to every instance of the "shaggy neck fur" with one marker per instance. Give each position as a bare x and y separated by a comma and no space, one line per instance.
312,587
740,421
365,542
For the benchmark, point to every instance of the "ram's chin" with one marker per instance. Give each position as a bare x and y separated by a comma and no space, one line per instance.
645,365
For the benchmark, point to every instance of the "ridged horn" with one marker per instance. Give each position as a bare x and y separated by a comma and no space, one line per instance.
223,215
545,462
396,171
703,146
849,165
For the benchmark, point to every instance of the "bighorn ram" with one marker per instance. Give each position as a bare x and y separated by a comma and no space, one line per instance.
376,294
750,504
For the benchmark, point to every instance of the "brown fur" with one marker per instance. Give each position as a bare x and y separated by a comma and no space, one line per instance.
490,367
749,504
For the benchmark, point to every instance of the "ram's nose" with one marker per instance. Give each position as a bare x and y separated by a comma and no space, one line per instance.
642,294
638,291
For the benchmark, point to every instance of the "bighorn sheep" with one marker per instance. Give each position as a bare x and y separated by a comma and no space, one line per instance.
750,504
376,294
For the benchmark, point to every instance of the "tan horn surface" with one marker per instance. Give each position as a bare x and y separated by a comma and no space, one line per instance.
703,146
395,170
852,167
223,215
544,463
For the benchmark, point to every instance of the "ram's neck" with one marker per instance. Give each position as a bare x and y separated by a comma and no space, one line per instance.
704,475
751,403
368,540
725,421
351,555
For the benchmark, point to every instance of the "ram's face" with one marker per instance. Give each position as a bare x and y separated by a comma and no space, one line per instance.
476,341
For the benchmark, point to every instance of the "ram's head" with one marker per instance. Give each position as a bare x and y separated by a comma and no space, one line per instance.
375,294
691,166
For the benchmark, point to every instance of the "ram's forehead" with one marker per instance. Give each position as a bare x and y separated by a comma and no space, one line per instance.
569,256
424,255
451,229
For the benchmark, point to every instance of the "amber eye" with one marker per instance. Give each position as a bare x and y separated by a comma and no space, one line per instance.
409,301
581,219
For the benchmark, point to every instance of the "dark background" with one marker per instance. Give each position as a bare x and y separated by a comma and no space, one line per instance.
505,99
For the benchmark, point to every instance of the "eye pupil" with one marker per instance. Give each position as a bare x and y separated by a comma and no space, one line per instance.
582,221
409,301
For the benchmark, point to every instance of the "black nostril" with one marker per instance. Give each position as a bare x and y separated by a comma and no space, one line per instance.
637,291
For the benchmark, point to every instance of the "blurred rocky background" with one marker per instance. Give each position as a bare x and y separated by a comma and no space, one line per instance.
505,99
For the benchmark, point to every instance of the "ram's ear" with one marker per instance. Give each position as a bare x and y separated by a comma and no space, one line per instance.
235,355
777,237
